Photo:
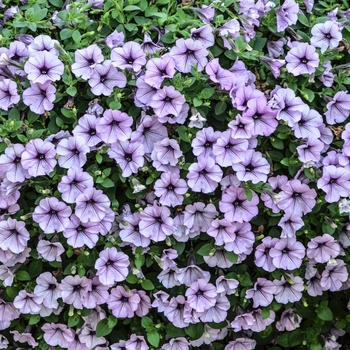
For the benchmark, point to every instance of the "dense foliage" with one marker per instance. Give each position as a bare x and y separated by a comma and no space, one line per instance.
174,175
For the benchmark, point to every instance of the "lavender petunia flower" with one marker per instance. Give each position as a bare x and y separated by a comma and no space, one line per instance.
47,288
92,205
28,303
144,93
188,53
297,198
243,243
204,35
166,152
236,207
129,56
290,224
73,289
24,338
274,64
57,334
72,152
86,129
202,144
157,69
176,310
74,184
335,182
322,248
98,294
290,290
287,15
43,67
201,295
325,35
242,321
8,94
105,78
39,97
148,45
204,176
205,13
136,342
128,155
170,189
38,157
338,109
50,251
156,223
262,293
13,235
52,215
79,234
302,59
115,39
308,125
289,321
230,30
167,101
85,61
219,75
275,48
180,343
42,43
87,336
287,254
131,232
261,323
310,151
122,303
114,126
112,266
334,275
10,163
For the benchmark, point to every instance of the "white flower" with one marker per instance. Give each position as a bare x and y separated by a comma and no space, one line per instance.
196,119
344,205
138,187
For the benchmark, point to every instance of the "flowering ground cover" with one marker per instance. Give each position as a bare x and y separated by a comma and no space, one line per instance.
174,175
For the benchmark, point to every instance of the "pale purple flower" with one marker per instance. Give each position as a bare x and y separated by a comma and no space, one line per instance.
10,163
289,321
244,240
188,53
201,295
167,101
79,234
73,289
202,144
158,69
274,64
290,290
166,152
8,94
52,215
220,75
287,14
314,287
86,129
144,93
180,343
28,303
131,232
242,321
302,59
42,43
218,312
43,67
128,155
7,275
148,45
236,207
74,184
97,295
47,288
322,248
175,311
325,35
204,35
129,56
290,224
24,338
38,157
112,266
338,109
91,205
261,323
334,275
57,334
192,273
204,176
223,231
170,189
156,223
72,152
275,48
50,251
231,30
13,235
87,336
160,300
122,303
7,314
105,78
310,151
136,342
205,13
144,305
308,125
85,61
262,293
244,94
287,254
226,285
40,97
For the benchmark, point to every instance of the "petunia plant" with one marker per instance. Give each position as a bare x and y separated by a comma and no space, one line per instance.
174,175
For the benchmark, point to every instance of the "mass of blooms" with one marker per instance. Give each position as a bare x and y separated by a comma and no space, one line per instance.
174,175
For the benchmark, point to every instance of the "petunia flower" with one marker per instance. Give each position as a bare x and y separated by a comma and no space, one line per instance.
176,310
57,334
220,75
38,157
302,59
47,288
114,39
289,321
334,275
10,163
204,35
73,289
322,248
158,69
98,294
202,144
131,233
43,67
129,56
166,151
290,290
42,43
325,35
8,94
52,215
287,14
50,251
262,293
122,303
201,295
308,125
28,303
105,78
72,152
24,338
180,343
338,108
112,266
261,323
87,336
40,97
86,129
86,60
13,235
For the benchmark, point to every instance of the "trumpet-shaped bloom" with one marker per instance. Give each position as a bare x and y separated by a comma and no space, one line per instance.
13,235
338,108
10,163
123,304
72,152
302,59
325,35
322,248
287,14
8,94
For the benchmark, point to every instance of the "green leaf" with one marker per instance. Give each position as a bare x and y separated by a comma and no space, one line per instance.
131,8
309,95
146,322
132,279
73,320
207,93
205,249
103,328
153,338
168,38
231,256
39,15
220,107
315,346
11,292
197,102
32,26
290,339
35,268
248,194
285,161
72,91
112,321
66,33
303,19
277,143
107,183
76,36
265,314
147,285
183,133
56,3
34,319
173,331
195,331
23,276
325,313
